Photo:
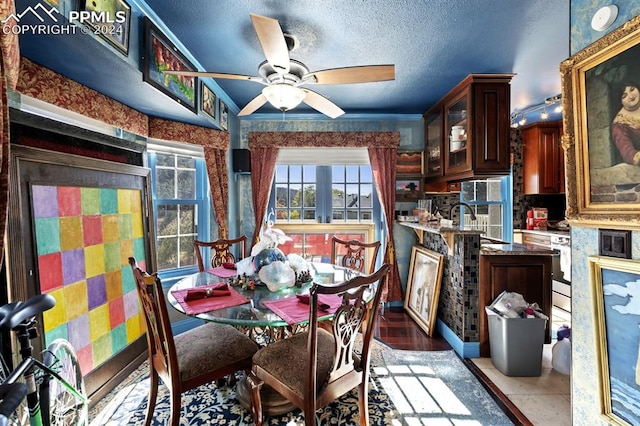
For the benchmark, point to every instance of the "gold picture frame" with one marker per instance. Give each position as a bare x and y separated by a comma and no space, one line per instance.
614,284
601,187
423,287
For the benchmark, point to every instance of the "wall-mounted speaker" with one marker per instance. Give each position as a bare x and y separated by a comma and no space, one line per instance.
241,160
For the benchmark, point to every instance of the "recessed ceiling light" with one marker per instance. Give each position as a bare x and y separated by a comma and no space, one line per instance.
604,17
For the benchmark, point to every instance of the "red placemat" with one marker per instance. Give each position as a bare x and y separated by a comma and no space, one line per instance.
223,272
292,310
198,306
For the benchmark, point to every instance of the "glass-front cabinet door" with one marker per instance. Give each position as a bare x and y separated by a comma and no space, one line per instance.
457,139
434,160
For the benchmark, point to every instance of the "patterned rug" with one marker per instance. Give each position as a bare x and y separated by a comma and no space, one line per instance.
436,388
208,405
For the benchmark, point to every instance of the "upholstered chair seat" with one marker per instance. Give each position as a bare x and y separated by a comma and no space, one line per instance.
210,347
294,350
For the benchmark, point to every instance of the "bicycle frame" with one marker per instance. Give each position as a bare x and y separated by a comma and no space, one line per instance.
27,369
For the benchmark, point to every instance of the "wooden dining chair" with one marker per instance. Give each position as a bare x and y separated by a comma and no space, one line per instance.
315,367
352,254
201,355
221,251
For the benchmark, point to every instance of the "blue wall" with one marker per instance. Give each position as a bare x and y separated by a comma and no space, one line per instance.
585,384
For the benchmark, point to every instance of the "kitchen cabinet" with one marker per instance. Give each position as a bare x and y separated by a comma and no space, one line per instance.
529,275
467,132
543,158
434,161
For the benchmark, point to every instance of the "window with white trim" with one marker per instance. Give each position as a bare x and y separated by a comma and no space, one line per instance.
180,203
492,204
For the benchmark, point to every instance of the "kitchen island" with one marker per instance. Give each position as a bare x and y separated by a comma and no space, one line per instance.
474,273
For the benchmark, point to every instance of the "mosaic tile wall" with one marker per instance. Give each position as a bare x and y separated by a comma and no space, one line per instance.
458,304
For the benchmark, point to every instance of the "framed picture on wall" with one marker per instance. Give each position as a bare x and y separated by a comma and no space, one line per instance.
615,288
224,115
114,21
423,287
208,101
409,163
161,55
408,188
599,96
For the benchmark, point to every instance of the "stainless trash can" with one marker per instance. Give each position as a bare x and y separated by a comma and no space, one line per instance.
516,344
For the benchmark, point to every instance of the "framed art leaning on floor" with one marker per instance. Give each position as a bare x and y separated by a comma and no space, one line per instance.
423,287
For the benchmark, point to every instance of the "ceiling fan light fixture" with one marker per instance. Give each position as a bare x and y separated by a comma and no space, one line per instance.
284,96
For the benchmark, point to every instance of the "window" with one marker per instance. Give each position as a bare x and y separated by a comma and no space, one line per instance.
490,199
313,202
324,194
181,205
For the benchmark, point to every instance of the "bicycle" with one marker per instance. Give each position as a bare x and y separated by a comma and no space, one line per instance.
55,392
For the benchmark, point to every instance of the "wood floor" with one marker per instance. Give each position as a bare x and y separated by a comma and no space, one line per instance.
398,330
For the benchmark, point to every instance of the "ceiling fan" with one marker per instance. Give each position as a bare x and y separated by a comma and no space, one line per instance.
283,76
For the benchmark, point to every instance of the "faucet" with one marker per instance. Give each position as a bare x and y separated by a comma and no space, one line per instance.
473,215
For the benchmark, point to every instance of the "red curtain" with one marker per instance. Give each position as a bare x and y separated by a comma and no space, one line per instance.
9,70
383,165
216,160
263,166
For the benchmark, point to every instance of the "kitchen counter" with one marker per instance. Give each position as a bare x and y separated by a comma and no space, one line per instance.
448,233
545,232
516,249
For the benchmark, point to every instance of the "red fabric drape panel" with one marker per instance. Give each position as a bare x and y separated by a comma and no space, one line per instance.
216,160
263,166
9,70
383,166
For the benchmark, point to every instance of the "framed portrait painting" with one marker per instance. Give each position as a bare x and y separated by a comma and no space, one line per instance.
208,101
615,286
161,55
423,287
112,21
600,86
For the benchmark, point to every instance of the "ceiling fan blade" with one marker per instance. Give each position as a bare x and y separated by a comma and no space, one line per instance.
322,104
217,75
252,106
272,41
361,74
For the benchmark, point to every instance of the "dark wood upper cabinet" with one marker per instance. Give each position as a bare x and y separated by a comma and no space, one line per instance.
543,158
467,132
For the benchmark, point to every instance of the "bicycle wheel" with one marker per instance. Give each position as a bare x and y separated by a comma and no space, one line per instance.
57,402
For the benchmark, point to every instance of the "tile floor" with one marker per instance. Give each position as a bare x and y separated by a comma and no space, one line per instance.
544,400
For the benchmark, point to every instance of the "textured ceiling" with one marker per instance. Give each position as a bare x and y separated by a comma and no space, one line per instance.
433,44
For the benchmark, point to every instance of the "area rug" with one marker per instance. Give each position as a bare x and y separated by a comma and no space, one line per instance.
209,405
436,387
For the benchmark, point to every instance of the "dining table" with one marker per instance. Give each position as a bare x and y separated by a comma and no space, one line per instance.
264,315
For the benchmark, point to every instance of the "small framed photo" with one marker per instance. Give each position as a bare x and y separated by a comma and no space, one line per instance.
224,115
409,163
208,101
408,188
114,24
614,243
423,287
161,55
